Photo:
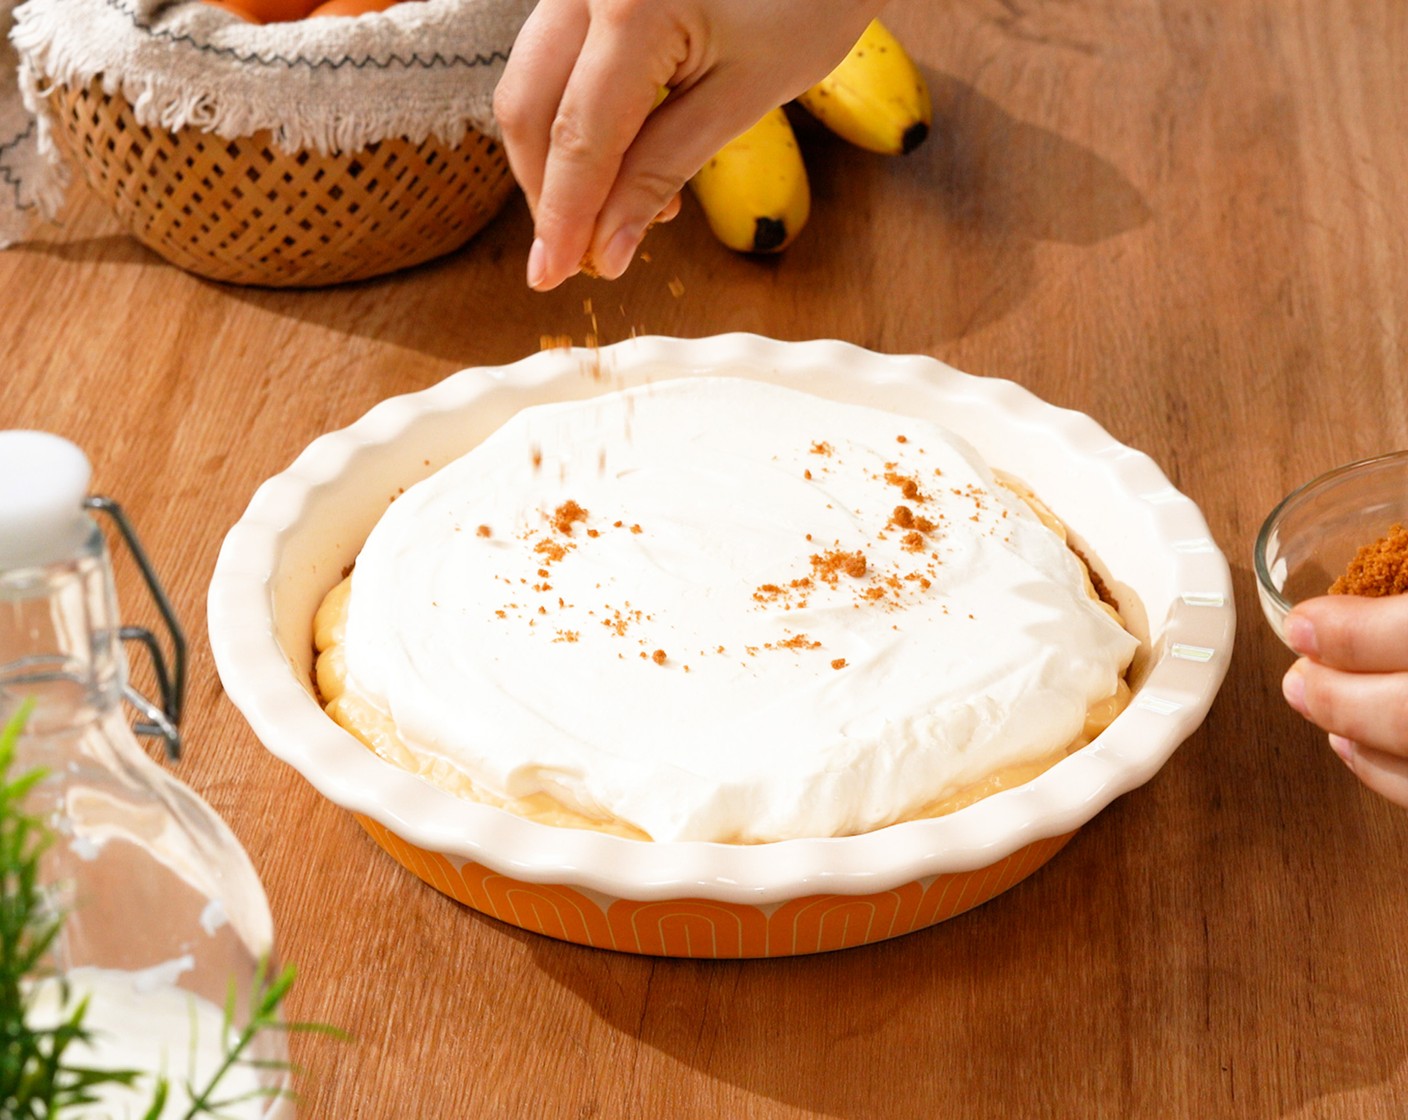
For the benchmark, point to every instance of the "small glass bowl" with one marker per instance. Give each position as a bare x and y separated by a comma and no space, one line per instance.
1308,540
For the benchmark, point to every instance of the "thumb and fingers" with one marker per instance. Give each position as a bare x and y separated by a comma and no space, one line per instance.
528,93
571,103
1352,681
1352,632
575,105
1366,708
672,144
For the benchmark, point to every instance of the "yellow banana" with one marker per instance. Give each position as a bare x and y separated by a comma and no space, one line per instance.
754,190
876,98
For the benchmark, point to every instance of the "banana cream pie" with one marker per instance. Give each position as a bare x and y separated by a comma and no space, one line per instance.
718,609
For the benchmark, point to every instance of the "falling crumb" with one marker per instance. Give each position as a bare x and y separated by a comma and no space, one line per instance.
636,529
537,456
567,636
555,342
821,448
807,475
676,286
658,657
484,531
901,439
839,663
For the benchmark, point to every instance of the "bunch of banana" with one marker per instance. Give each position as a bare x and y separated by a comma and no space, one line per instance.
754,190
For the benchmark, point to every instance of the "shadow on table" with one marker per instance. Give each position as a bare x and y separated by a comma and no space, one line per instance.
900,253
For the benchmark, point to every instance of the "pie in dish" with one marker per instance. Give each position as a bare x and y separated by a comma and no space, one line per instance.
717,609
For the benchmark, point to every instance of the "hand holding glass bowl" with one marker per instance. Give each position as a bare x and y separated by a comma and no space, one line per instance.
1351,678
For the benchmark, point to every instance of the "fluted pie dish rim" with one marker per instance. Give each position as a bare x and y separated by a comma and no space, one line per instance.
304,526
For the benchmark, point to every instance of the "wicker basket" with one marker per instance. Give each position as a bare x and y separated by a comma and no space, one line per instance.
245,212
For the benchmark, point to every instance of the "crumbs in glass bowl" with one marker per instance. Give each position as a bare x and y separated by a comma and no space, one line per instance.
1377,569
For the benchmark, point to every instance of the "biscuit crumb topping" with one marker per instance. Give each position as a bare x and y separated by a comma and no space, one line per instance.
1378,569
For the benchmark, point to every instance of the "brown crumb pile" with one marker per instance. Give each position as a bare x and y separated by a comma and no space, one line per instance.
904,518
565,515
1377,569
798,641
829,566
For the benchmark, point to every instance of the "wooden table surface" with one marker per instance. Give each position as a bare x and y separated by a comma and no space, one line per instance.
1183,217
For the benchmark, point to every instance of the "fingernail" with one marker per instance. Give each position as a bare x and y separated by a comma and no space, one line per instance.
616,257
1343,747
537,264
1300,635
1293,689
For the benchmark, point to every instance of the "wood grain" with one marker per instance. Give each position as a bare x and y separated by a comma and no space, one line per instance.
1180,216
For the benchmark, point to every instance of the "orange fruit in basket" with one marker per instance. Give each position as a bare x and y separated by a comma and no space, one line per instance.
350,7
265,11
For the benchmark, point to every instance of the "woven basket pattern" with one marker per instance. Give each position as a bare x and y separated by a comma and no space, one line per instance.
245,212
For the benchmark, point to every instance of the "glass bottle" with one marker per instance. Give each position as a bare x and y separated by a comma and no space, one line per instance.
164,919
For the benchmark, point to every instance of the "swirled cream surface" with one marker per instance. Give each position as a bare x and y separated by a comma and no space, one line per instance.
718,609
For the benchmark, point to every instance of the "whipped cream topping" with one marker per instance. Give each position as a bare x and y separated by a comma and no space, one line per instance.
719,609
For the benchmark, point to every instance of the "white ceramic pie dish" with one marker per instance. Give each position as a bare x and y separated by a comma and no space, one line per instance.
306,525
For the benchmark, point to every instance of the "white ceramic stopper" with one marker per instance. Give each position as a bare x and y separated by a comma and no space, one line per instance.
43,481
